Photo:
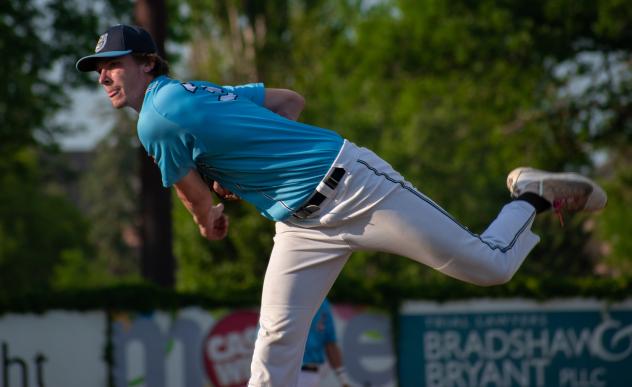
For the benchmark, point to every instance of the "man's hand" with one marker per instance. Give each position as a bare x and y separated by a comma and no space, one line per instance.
214,226
195,195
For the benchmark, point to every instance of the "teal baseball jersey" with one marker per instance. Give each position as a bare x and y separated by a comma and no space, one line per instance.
227,134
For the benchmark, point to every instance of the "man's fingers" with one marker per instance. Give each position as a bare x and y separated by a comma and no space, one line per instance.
222,227
219,189
221,222
231,196
223,192
215,227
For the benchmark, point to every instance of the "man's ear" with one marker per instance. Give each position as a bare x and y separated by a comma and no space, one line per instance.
149,65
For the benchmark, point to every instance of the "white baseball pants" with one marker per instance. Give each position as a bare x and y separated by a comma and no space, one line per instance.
375,209
308,379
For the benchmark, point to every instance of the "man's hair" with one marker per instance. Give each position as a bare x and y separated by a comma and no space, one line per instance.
161,66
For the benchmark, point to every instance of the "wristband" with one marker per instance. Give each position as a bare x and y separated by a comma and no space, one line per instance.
341,373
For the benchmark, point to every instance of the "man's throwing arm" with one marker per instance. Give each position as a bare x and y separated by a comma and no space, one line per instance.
194,193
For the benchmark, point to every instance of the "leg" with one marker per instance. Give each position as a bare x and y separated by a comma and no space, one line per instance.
409,224
403,221
303,266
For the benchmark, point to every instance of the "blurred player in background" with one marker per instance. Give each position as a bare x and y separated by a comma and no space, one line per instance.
321,344
328,196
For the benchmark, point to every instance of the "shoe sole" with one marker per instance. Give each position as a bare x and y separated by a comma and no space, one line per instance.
591,196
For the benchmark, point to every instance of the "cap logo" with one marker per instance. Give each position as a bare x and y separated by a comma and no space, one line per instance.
101,43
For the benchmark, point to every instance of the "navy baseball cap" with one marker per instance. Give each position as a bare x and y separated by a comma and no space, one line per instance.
117,41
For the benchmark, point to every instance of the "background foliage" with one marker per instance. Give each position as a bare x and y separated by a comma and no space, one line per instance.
453,94
40,229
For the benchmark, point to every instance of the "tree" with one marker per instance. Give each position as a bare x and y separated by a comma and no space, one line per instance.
39,228
456,94
157,261
112,188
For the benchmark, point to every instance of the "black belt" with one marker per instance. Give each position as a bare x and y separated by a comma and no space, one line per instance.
309,367
313,203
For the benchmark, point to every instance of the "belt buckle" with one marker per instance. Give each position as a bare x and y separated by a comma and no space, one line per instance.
330,182
335,176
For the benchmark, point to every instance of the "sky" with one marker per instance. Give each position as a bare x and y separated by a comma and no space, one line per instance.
88,112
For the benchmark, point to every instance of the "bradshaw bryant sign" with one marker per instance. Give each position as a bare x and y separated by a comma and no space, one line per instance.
566,343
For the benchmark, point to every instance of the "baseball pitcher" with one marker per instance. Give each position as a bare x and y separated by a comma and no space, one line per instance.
328,196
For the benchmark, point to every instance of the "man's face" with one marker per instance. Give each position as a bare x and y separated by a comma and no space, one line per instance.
124,81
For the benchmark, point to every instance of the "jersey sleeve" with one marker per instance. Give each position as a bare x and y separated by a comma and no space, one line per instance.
170,146
255,92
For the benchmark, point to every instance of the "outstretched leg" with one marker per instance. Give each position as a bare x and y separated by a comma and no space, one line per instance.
409,224
406,222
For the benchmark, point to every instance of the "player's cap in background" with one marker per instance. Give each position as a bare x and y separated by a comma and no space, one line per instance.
117,41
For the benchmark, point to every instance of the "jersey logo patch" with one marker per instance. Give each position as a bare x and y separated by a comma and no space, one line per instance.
222,95
228,97
213,90
188,86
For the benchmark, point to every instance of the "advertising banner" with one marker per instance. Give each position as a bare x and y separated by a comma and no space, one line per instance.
57,348
565,343
194,347
365,338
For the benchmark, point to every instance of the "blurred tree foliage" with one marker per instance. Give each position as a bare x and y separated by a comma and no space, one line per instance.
37,229
40,230
453,94
112,188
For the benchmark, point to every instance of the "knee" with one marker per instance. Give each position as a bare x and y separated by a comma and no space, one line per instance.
487,271
274,333
282,327
495,275
495,280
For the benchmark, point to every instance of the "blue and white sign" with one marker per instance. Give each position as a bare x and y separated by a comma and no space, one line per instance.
565,343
